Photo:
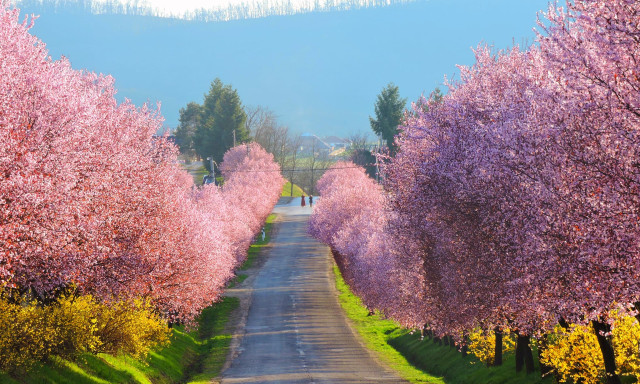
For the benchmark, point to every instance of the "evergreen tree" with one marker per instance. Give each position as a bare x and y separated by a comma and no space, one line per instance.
189,121
222,117
389,110
209,129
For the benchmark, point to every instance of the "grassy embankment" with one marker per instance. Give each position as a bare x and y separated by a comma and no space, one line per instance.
297,191
423,361
195,356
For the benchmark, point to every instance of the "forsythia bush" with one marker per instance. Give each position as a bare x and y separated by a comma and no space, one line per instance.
132,328
575,355
626,335
31,332
24,337
482,344
71,325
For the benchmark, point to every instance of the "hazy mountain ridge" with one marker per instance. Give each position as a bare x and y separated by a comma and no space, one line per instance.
199,11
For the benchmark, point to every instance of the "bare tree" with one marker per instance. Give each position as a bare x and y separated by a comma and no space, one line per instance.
360,153
314,165
292,159
260,123
264,128
301,169
359,141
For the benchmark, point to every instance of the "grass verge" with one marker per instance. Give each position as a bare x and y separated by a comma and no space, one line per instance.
423,361
297,191
258,244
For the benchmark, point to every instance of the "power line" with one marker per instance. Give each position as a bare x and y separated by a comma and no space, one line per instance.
298,170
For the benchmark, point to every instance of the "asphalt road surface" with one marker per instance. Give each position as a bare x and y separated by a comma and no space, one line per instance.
295,330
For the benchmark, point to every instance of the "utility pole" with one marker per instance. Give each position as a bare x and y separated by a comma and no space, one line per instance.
377,166
213,171
234,137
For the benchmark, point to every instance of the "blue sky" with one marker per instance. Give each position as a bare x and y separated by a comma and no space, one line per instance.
319,72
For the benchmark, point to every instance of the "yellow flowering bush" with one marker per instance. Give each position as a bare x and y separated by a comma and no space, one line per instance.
574,354
23,336
132,328
72,325
625,336
482,344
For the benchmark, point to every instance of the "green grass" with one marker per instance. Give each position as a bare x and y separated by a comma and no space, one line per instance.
297,191
237,280
257,245
215,344
376,331
423,361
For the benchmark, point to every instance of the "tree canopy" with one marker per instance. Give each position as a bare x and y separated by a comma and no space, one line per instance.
209,129
389,111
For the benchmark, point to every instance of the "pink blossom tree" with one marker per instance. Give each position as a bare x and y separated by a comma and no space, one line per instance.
253,184
91,197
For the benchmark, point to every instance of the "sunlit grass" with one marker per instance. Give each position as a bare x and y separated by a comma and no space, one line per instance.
297,191
376,332
254,250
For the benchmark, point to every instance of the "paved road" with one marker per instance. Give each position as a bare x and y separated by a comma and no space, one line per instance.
295,330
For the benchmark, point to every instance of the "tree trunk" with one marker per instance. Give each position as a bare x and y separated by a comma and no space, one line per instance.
497,360
563,323
607,351
528,357
519,353
637,308
465,346
524,354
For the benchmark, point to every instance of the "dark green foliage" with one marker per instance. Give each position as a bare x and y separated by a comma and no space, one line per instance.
366,159
185,133
389,110
208,129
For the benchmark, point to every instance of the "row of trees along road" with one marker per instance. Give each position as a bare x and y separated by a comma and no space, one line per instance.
512,203
92,199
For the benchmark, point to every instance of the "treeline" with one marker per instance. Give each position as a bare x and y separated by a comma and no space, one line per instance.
221,121
239,11
511,206
93,207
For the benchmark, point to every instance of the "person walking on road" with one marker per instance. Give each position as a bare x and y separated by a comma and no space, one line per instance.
310,200
302,203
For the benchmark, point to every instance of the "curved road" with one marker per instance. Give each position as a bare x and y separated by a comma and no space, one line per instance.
295,331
